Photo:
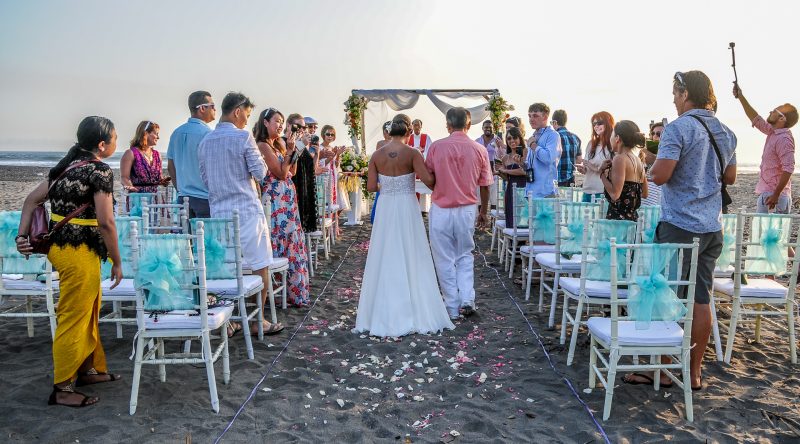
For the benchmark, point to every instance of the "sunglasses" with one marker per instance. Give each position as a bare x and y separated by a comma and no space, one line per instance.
657,133
329,135
598,123
679,78
779,113
209,105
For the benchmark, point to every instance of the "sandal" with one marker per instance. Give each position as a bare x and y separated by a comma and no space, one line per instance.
234,329
271,329
87,400
86,378
648,380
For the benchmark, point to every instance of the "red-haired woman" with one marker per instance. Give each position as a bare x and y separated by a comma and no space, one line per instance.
597,151
140,166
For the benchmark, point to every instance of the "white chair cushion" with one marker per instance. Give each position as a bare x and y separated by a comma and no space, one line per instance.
122,292
536,249
594,289
182,319
501,224
315,234
521,232
334,207
755,288
26,284
659,333
497,214
279,263
548,260
227,287
724,272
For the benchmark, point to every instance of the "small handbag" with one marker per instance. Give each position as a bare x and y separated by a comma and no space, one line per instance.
40,231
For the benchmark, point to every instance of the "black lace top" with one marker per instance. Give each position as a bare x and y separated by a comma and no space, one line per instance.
74,189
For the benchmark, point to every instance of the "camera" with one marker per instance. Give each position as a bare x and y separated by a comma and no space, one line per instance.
314,139
295,128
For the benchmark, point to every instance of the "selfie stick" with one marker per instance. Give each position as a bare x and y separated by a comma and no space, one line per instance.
732,47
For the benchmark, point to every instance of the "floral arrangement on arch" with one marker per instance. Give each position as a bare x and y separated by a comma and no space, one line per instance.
354,111
498,111
354,166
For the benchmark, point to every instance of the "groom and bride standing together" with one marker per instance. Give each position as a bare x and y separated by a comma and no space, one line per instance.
399,293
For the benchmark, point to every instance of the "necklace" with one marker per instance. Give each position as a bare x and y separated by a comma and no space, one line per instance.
148,155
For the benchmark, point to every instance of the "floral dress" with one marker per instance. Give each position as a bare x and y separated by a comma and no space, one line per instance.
145,176
288,239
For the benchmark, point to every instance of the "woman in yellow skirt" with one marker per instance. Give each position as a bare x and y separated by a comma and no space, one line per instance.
77,249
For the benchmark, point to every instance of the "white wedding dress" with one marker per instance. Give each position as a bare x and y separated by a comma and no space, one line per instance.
399,293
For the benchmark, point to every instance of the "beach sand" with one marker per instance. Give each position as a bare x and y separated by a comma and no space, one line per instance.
323,383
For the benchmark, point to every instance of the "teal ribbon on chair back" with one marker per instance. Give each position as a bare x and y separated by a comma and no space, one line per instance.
13,262
772,231
166,273
651,298
520,201
135,202
124,242
219,238
725,258
573,216
544,223
600,247
649,215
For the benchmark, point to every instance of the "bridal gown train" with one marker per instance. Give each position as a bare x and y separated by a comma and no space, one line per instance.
399,293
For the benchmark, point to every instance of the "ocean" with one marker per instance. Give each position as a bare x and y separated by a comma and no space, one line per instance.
50,158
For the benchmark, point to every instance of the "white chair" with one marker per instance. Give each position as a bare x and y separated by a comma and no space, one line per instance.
279,268
723,269
570,218
541,239
659,321
570,194
167,276
124,293
166,217
224,275
647,223
514,236
498,215
131,204
27,279
593,287
325,227
764,251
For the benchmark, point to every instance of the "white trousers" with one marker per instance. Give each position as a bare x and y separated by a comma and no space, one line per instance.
452,233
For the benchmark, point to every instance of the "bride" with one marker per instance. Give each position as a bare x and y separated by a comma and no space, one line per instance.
399,294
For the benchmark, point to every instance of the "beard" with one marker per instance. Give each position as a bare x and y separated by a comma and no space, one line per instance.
772,119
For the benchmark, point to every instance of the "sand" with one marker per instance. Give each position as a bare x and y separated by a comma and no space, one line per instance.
323,383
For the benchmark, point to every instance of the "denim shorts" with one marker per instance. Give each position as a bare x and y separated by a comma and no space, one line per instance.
782,207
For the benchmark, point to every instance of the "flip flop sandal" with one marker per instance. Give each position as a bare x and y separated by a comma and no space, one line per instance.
84,402
648,378
233,331
81,381
273,329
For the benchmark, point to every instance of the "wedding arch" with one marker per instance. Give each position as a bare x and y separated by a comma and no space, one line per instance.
402,99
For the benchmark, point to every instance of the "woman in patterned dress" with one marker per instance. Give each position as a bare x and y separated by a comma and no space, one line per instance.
140,166
80,178
288,239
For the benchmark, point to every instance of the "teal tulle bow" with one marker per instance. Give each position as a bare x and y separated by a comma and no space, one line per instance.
649,235
652,298
544,224
574,238
724,259
773,250
215,258
157,275
13,261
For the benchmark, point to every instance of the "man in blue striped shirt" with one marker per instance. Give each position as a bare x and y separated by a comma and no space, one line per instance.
570,149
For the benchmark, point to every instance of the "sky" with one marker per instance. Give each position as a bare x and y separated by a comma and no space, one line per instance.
138,60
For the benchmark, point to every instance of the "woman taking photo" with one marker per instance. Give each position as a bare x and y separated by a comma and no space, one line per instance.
330,159
79,179
140,166
512,169
624,179
288,238
597,151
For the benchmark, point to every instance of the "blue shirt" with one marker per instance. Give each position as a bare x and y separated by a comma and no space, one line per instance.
570,149
544,161
182,152
691,199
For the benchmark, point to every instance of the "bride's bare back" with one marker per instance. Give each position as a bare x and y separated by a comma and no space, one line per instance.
395,158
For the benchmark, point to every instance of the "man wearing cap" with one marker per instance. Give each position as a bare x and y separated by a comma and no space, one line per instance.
311,125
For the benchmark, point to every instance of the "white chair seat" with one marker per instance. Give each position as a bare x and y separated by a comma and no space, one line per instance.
497,214
122,292
594,289
334,207
227,287
186,319
26,285
536,249
755,288
724,272
500,223
521,232
659,333
279,263
317,233
548,260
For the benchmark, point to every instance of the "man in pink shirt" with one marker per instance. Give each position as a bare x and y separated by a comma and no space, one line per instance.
774,188
460,165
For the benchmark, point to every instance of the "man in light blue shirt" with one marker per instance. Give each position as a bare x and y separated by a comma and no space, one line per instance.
544,153
182,161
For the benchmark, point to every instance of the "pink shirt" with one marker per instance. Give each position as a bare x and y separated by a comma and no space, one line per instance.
460,165
778,157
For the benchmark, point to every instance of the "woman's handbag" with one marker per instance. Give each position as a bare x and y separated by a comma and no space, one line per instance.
40,232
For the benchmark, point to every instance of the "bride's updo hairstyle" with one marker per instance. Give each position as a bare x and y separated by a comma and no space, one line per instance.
401,125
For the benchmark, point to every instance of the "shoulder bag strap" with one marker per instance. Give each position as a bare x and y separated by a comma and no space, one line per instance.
714,144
